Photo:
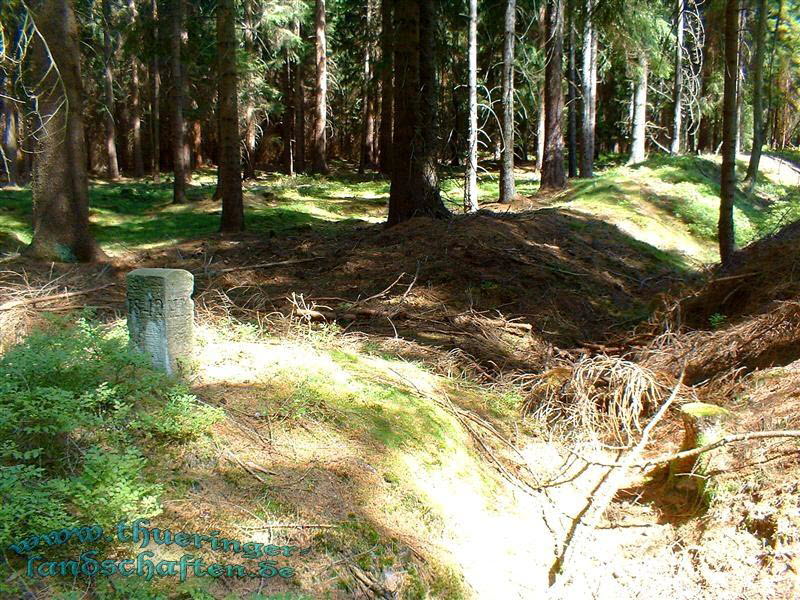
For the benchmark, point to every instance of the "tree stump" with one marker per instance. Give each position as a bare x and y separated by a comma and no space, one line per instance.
702,424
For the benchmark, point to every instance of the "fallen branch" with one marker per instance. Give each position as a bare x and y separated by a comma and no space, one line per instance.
723,441
291,261
35,300
249,466
328,315
384,292
584,525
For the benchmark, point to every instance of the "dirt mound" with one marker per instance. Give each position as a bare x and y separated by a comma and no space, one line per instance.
502,287
761,274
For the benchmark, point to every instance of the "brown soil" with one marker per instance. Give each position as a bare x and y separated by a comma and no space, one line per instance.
574,279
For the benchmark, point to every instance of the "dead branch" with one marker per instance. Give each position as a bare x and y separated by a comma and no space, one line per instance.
586,522
723,441
291,261
35,300
354,313
384,292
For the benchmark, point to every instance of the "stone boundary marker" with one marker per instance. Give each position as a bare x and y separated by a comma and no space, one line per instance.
161,315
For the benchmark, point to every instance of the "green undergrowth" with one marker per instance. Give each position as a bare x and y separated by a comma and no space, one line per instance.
673,203
452,185
80,420
790,154
670,203
135,215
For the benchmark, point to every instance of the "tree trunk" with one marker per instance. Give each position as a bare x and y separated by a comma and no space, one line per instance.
249,110
368,117
155,100
471,187
288,126
319,154
740,85
122,118
572,83
27,143
300,111
60,184
414,188
772,84
108,86
387,88
136,111
507,187
728,173
677,92
540,133
639,112
758,93
136,121
553,176
589,68
427,156
179,158
229,163
10,145
10,115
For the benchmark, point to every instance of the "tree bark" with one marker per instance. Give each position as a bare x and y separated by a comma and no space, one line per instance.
10,116
288,127
387,88
249,109
108,86
589,68
414,189
60,184
740,85
427,156
729,127
677,91
772,84
136,116
507,187
229,164
572,83
540,133
471,187
179,158
758,93
639,112
368,117
553,177
300,111
155,99
319,155
10,144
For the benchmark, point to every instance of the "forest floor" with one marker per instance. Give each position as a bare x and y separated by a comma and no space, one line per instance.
369,377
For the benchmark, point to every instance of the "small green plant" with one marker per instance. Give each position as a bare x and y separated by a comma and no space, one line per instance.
111,487
717,320
74,402
181,418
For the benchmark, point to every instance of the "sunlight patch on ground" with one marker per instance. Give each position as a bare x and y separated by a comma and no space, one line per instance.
438,489
632,214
